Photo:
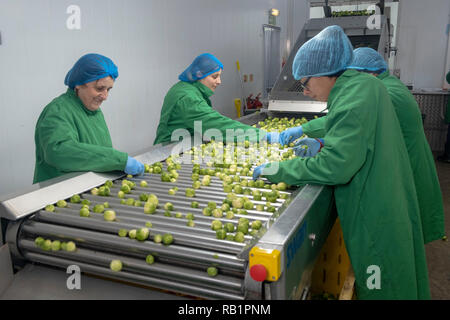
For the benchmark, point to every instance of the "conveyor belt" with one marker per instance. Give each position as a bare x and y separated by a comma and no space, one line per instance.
180,267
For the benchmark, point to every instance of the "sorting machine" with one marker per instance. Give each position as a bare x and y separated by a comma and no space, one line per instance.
274,264
285,96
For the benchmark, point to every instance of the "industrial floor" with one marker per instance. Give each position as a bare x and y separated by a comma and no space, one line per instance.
438,252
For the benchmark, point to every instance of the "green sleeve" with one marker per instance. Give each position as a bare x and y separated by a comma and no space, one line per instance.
338,160
213,123
59,141
315,128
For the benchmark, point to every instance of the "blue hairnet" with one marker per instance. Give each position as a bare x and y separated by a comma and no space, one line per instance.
204,65
368,59
329,52
90,67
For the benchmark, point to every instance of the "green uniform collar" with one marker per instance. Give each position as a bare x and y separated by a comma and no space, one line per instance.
206,92
71,93
340,81
383,75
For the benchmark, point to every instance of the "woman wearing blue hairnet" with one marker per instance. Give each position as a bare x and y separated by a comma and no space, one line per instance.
420,156
71,133
189,101
365,158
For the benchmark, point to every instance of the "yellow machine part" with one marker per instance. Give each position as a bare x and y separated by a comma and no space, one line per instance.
332,266
269,258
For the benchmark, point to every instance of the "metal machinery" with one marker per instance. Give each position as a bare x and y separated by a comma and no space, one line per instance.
283,252
286,96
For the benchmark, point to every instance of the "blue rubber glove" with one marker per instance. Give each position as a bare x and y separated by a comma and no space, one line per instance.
312,147
134,167
273,137
291,134
258,171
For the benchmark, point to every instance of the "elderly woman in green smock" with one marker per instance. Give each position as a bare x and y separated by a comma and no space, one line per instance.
71,133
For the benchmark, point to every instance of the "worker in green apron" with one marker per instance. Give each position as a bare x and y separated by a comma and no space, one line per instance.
187,107
71,133
419,152
445,157
365,158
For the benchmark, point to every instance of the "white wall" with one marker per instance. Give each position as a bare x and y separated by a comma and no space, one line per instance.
151,41
422,42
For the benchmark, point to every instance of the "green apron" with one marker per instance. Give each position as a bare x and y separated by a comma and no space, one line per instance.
186,103
420,156
69,137
366,161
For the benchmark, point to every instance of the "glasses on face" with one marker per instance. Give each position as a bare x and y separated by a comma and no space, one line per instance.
303,85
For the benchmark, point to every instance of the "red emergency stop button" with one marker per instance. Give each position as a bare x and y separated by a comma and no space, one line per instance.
258,272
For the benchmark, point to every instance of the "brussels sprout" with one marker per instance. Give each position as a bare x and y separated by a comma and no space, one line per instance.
50,208
84,212
132,234
229,227
61,203
121,194
194,204
243,227
172,192
115,265
142,234
190,216
227,188
239,237
144,184
149,259
143,197
196,184
238,203
148,224
167,239
229,215
75,199
168,206
195,177
56,245
281,186
99,208
123,233
85,202
64,246
229,237
129,202
221,234
212,271
152,198
178,215
71,246
109,183
216,225
190,192
47,245
260,207
39,241
167,213
256,225
138,203
94,191
157,238
217,213
125,188
109,215
106,205
190,223
212,205
149,208
248,205
207,211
